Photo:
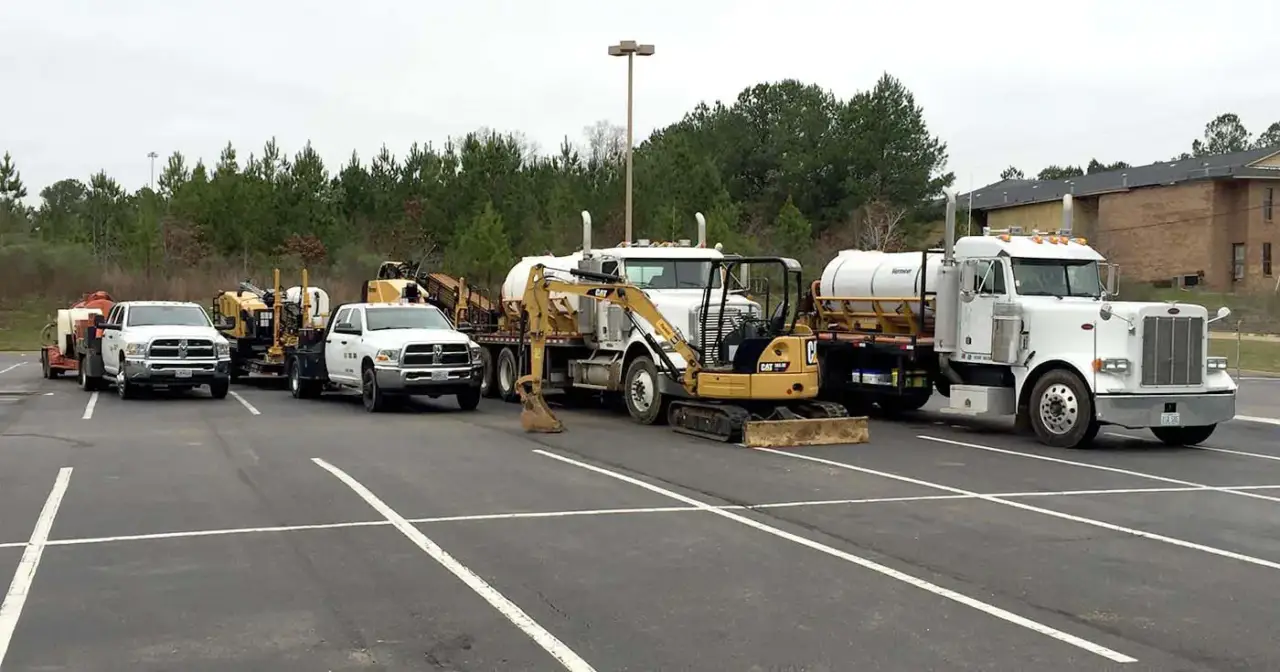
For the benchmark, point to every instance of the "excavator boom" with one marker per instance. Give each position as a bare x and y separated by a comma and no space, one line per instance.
770,408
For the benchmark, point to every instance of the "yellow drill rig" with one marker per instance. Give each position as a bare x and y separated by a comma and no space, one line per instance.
758,384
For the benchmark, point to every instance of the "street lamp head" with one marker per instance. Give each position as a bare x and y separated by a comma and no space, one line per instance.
629,47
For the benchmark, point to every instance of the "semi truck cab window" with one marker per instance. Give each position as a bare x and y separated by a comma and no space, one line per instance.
1057,277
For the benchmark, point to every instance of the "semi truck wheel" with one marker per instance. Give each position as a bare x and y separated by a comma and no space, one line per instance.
507,373
645,403
1183,436
487,375
1062,411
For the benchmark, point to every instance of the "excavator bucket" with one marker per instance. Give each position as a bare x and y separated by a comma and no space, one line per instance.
804,432
535,415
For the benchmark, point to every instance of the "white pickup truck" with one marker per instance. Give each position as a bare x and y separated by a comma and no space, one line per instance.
387,351
144,345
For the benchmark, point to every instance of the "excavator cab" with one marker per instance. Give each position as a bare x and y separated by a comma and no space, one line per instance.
745,337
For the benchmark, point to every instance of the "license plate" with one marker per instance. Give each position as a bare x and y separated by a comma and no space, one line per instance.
182,373
1170,419
439,375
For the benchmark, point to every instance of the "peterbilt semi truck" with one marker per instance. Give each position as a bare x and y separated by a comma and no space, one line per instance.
1017,323
593,346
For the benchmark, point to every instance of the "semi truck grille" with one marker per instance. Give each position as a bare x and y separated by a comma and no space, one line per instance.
181,348
435,354
709,337
1172,351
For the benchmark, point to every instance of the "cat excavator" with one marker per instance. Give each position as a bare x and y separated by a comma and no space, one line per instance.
756,385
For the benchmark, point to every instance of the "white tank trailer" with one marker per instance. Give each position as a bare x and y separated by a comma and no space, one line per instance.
1022,324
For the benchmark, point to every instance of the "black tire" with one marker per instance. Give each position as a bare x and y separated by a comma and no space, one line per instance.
487,374
645,402
46,369
374,400
124,388
469,400
1183,436
508,372
218,389
88,383
1061,410
299,388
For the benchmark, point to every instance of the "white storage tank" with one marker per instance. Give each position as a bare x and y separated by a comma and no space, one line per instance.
317,298
557,267
871,273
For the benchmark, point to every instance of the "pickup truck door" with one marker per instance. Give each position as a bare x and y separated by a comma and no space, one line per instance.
111,339
341,344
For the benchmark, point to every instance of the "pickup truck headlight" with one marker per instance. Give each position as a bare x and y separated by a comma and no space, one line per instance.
135,349
222,350
1217,363
475,352
387,357
1112,365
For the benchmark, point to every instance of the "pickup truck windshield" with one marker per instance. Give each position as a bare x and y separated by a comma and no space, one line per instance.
1057,277
405,318
169,316
669,273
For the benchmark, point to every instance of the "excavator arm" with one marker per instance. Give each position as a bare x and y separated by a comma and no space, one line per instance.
535,416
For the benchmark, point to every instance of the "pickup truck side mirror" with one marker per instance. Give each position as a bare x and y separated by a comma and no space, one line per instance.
110,326
345,328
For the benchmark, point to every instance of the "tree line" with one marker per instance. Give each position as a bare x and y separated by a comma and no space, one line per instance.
787,167
1225,134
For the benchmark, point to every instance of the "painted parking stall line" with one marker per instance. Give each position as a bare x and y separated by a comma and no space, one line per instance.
992,610
89,406
20,587
549,642
10,368
245,402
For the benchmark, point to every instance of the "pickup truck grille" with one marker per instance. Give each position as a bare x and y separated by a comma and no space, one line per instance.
1172,351
181,348
435,354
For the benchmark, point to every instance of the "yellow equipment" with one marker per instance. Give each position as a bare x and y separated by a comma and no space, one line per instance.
762,389
261,323
407,281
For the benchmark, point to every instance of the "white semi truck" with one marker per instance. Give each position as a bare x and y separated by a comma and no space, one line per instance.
595,347
1017,324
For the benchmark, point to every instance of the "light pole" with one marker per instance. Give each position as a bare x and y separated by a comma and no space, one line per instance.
152,156
630,49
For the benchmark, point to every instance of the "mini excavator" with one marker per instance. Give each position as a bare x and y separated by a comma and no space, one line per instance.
758,385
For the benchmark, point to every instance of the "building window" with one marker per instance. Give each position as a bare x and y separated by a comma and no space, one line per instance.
1266,259
1237,262
1267,202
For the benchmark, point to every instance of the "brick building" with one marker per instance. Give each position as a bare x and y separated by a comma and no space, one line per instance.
1208,220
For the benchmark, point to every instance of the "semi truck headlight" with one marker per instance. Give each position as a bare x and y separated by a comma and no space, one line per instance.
387,356
135,349
475,352
1217,363
223,350
1112,365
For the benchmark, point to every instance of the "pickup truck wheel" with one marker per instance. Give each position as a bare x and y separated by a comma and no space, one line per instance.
374,400
124,388
1183,436
487,374
469,400
507,374
87,383
646,404
218,389
1062,410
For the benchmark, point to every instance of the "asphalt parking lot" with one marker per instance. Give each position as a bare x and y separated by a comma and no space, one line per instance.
261,532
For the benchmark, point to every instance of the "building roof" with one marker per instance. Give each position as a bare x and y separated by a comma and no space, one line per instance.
1006,193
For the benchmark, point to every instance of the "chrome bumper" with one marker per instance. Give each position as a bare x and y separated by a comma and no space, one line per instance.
177,371
429,379
1165,410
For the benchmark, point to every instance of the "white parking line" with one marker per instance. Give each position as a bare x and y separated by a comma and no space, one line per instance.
1242,453
1099,467
1035,509
515,614
1255,418
245,402
8,369
88,407
14,600
989,609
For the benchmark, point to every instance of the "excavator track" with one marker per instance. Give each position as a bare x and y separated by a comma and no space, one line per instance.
718,422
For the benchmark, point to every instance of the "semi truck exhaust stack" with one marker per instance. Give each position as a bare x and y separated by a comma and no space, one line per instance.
586,233
1067,207
702,229
946,302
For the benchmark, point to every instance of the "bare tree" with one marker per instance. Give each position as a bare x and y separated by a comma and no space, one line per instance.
606,143
879,225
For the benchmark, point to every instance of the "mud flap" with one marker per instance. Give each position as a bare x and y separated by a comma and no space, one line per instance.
535,415
805,432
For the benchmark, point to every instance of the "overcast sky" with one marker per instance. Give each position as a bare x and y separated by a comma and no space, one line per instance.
94,85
